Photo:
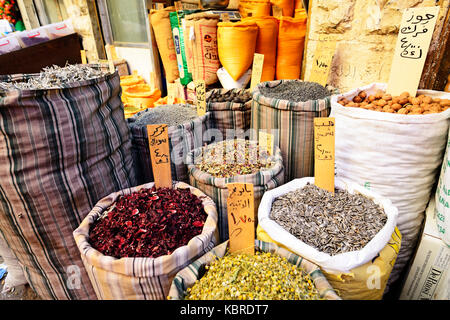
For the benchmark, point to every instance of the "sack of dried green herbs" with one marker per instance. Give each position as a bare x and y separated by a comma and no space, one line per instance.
244,277
212,167
186,132
134,241
230,111
350,234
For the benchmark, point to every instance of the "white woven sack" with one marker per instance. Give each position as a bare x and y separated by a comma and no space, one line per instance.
342,262
395,155
15,276
442,197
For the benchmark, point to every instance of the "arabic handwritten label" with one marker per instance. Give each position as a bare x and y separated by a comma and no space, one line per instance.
83,57
324,153
200,94
266,141
241,217
171,92
158,140
414,37
323,57
257,68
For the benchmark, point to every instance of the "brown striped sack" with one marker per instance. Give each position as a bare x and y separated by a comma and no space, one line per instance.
294,124
187,277
182,139
141,278
229,117
61,150
216,188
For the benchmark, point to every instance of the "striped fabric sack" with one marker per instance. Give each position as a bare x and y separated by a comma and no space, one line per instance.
186,278
229,116
61,150
182,139
292,124
141,278
216,188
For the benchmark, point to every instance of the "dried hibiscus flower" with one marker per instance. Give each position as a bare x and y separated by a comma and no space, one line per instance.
148,223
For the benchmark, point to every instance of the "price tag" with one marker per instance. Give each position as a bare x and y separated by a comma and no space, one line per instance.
83,57
158,140
171,92
324,153
112,68
241,217
258,61
414,37
266,141
200,94
322,61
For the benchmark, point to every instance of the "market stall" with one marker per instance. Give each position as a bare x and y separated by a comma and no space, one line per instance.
259,171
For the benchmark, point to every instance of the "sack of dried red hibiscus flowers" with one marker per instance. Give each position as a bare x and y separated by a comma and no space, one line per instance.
134,242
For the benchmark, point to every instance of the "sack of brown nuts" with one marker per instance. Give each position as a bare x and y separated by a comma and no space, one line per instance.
402,104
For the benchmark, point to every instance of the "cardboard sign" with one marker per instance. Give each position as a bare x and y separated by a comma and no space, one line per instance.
414,37
171,92
324,153
323,57
158,140
266,141
258,61
241,217
112,50
83,57
200,94
112,68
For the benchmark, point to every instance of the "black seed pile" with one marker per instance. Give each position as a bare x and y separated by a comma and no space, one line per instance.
171,115
297,91
241,96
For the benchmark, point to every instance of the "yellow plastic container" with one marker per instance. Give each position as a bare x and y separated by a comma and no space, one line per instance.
131,80
141,95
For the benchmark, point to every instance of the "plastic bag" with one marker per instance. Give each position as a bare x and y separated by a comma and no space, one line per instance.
236,44
291,42
266,44
397,156
163,35
442,208
178,40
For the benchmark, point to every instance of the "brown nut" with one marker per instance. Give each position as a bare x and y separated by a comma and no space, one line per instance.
395,99
417,110
371,98
445,102
404,94
381,103
387,107
403,101
403,111
357,99
396,106
416,101
379,94
362,94
427,99
386,97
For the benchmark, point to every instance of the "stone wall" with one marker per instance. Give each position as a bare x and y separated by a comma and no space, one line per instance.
366,32
83,14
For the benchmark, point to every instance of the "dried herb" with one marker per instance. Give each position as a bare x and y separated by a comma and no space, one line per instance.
55,77
330,223
264,276
233,157
148,223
